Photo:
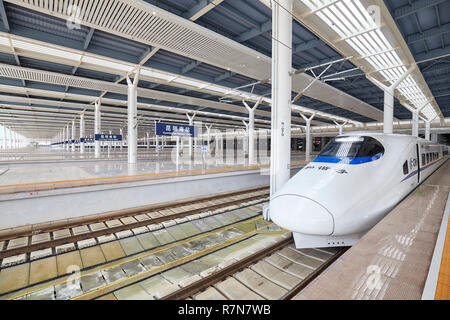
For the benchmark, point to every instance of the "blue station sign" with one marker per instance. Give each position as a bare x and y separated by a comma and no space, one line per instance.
167,129
108,137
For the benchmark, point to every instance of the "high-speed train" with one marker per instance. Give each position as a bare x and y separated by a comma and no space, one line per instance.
353,183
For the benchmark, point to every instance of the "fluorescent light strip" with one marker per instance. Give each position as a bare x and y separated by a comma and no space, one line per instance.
351,21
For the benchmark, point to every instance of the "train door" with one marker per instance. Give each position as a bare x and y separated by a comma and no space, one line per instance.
418,163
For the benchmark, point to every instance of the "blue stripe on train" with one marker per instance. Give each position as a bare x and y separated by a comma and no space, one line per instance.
348,160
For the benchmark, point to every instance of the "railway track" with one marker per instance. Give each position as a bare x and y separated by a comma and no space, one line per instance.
36,242
278,272
232,247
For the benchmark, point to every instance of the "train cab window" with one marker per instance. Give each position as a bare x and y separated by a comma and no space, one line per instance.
352,147
405,167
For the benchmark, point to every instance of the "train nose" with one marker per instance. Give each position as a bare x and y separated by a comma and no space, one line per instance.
300,214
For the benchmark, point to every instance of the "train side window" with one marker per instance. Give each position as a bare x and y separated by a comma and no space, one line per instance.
423,158
428,157
405,167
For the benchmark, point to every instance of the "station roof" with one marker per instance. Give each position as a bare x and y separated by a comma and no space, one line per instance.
54,64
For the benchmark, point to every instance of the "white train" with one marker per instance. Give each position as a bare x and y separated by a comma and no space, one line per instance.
353,183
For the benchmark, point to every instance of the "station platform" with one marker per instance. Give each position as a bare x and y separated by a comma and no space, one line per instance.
393,261
39,193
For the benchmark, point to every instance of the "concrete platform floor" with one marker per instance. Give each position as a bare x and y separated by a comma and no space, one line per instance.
28,167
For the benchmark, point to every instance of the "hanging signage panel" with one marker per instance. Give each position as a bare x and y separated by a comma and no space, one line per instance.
108,137
180,130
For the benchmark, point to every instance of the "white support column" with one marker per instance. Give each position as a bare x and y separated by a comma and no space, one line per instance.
246,139
251,130
191,122
415,119
132,118
82,132
97,127
281,94
308,134
428,129
10,142
73,135
66,137
121,142
340,126
4,137
388,119
208,136
148,140
415,123
177,158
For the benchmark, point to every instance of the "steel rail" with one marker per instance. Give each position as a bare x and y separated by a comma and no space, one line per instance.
313,275
210,280
9,234
111,230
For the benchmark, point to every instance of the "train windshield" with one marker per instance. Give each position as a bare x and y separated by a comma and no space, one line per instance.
352,147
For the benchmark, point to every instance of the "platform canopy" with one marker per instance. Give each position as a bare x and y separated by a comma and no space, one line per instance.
58,57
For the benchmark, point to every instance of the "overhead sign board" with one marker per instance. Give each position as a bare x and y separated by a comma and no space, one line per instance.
108,137
180,130
87,140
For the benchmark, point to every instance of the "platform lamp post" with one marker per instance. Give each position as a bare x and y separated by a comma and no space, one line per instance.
388,114
132,117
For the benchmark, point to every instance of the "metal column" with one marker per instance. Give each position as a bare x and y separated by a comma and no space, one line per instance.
132,118
281,94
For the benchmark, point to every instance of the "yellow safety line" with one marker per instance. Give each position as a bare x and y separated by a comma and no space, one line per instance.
139,175
145,255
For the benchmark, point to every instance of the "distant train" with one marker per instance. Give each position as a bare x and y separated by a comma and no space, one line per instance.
353,183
